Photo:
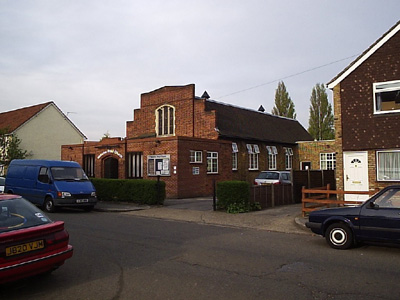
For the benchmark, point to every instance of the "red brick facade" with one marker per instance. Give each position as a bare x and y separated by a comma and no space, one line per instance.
194,129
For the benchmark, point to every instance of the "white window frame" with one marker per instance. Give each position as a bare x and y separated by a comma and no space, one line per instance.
288,158
167,124
212,162
327,161
382,87
235,151
388,169
272,154
253,151
196,156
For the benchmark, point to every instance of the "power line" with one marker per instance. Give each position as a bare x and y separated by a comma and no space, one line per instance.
289,76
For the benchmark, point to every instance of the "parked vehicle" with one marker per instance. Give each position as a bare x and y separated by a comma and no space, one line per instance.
273,177
2,182
376,220
51,184
30,243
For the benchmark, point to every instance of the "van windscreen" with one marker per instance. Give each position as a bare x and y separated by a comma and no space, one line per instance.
67,173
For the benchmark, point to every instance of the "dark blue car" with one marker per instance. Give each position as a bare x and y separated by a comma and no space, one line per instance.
376,220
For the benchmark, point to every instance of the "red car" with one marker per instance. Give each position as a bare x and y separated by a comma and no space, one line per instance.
30,243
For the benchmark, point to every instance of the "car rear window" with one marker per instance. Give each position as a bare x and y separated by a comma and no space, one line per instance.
268,175
18,213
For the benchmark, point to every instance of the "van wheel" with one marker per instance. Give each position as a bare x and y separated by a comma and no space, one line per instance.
48,205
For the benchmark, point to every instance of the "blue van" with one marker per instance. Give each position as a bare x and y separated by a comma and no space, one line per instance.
51,184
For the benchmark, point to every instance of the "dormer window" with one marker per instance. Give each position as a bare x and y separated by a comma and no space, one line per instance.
165,120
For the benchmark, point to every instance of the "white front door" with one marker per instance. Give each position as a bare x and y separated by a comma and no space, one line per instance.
356,174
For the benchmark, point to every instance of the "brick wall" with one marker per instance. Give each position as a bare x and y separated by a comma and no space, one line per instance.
362,130
310,151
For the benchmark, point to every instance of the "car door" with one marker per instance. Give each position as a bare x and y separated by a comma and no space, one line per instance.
380,217
42,186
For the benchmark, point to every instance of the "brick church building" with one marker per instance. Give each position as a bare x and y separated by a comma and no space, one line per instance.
191,141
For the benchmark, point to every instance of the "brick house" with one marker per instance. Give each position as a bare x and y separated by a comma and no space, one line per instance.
191,142
366,98
31,126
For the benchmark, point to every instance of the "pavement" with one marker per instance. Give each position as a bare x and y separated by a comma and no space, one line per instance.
287,218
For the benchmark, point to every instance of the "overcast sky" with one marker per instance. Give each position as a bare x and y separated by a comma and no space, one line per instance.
94,58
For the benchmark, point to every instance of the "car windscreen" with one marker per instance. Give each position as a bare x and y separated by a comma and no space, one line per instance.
68,173
268,175
18,213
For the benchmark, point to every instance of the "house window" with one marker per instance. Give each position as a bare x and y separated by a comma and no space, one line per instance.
288,158
387,96
327,161
88,164
272,153
165,120
235,151
212,162
135,164
196,156
253,151
388,165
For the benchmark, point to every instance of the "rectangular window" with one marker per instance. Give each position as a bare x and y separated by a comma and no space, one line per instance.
212,162
135,164
272,154
327,161
387,96
235,151
388,165
288,158
253,151
88,164
196,156
166,119
234,160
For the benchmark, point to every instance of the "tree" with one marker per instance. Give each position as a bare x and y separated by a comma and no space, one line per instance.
284,106
10,147
321,117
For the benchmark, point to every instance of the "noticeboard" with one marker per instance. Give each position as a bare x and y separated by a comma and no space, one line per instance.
158,165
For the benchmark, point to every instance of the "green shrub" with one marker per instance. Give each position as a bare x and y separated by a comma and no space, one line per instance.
141,191
233,196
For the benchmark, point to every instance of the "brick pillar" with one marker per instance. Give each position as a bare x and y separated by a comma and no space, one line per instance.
338,136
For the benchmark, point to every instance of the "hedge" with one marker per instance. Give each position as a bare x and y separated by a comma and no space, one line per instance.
232,192
139,191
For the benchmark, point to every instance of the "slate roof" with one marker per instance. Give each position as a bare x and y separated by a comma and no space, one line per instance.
14,119
241,123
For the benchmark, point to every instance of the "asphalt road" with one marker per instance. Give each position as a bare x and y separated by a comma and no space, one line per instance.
119,256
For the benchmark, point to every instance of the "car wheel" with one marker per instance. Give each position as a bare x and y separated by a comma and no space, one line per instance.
339,236
48,205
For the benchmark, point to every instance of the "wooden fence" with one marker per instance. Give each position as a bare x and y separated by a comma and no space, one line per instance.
271,195
311,179
314,198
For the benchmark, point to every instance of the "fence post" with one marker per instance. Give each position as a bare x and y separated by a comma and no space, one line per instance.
214,196
272,196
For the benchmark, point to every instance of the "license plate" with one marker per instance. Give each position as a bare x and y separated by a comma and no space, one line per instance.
27,247
82,200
